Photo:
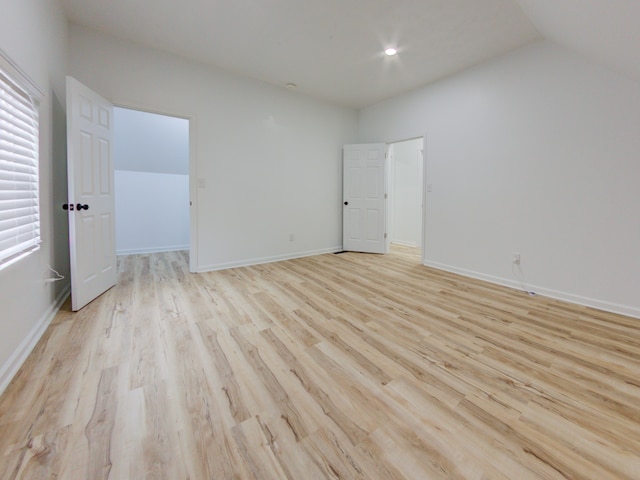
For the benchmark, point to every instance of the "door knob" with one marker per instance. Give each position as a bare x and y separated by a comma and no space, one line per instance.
72,207
346,203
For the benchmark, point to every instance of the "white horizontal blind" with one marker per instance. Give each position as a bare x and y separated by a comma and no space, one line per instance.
19,211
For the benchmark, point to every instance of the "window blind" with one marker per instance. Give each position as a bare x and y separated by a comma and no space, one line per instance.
19,208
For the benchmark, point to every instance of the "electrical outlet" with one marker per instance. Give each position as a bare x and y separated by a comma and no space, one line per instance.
515,259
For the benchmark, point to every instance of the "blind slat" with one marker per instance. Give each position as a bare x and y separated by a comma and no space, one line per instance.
17,213
18,235
15,115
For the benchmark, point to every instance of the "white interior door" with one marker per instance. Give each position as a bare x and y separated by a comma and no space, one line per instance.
91,196
364,181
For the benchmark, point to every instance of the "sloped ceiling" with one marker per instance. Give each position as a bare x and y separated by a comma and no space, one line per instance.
605,30
333,49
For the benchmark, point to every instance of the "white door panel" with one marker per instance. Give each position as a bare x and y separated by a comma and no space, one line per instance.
364,199
90,177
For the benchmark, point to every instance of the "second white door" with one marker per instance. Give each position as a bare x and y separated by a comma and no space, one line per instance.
364,218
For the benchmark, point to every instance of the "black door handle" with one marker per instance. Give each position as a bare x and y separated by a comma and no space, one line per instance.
71,207
346,203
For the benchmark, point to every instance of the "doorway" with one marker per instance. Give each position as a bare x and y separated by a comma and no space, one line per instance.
151,179
406,194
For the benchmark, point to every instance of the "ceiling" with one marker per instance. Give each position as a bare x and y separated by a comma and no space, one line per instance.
607,31
333,49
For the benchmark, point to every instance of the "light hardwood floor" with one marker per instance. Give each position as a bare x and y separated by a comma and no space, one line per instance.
335,366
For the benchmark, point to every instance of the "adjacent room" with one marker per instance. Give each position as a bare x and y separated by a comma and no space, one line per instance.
151,179
278,239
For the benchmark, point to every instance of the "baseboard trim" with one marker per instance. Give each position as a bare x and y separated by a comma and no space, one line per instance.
263,260
19,356
406,244
138,251
545,292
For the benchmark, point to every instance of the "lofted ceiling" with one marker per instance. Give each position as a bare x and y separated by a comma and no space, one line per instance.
333,49
605,30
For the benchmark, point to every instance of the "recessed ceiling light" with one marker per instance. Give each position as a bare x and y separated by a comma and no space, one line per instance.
391,51
291,86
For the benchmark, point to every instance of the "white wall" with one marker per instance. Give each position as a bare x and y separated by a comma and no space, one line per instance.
152,212
536,152
151,160
149,142
33,34
406,192
270,159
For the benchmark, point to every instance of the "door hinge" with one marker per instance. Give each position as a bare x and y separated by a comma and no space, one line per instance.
385,196
385,236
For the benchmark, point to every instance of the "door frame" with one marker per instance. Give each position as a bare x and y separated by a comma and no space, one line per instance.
423,234
193,183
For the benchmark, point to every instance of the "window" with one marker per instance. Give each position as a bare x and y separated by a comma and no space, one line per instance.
19,136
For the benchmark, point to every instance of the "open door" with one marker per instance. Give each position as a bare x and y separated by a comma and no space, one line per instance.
91,196
364,183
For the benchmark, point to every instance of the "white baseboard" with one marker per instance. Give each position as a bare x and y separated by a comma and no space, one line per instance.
406,244
604,305
15,361
137,251
262,260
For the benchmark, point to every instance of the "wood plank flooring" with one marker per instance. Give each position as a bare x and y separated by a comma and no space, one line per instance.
348,366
